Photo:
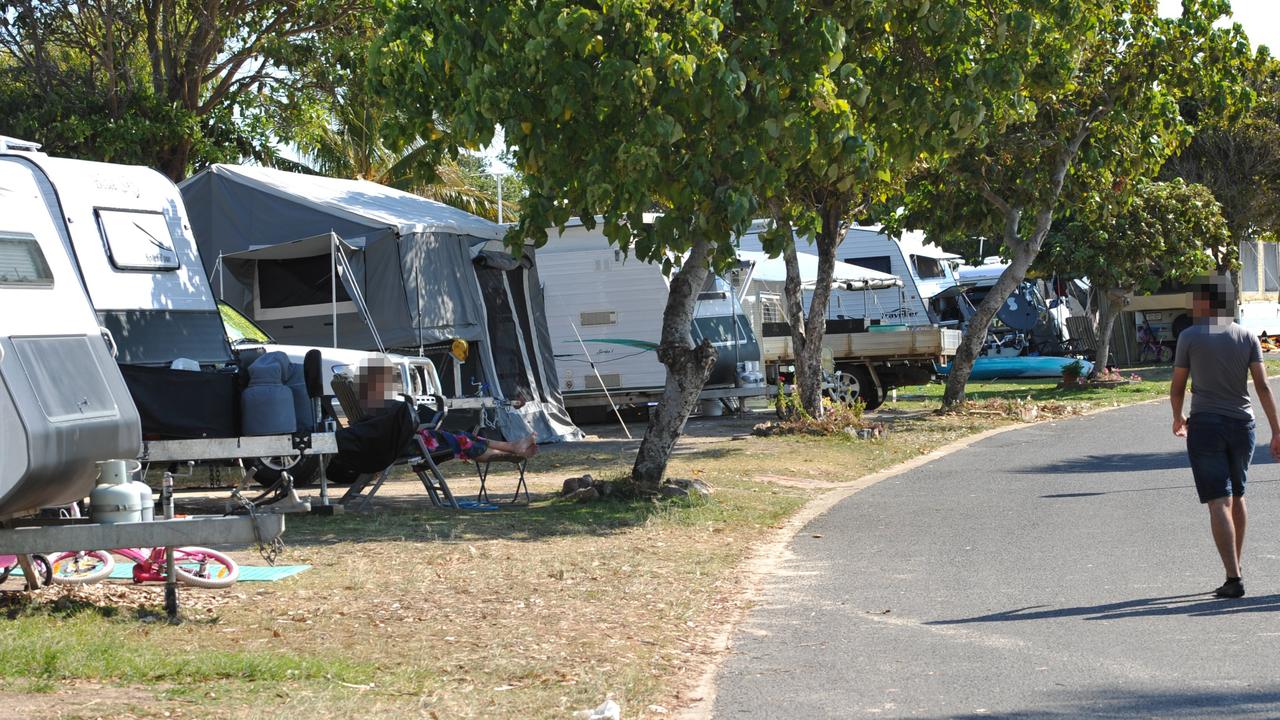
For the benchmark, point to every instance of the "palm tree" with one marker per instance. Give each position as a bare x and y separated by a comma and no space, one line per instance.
354,142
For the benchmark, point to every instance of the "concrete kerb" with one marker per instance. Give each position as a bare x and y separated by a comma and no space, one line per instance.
767,557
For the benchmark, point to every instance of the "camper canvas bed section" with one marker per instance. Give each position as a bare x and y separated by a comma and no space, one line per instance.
427,273
604,317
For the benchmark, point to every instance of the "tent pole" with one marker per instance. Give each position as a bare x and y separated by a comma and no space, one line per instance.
601,381
222,292
333,284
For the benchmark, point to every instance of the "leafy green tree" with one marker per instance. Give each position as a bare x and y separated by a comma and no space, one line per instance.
167,84
610,110
1240,160
1099,111
1170,231
890,84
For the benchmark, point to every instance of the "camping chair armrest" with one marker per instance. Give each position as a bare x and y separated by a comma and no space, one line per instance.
442,411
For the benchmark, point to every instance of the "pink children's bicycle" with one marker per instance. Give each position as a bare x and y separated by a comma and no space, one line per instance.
40,563
196,566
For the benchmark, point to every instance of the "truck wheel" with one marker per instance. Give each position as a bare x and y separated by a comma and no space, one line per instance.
860,386
868,390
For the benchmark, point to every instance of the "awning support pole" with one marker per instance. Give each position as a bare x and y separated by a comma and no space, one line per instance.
333,283
599,379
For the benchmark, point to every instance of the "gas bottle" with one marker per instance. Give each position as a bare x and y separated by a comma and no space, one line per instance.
115,499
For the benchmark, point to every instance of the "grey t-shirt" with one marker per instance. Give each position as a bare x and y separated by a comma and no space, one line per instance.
1218,355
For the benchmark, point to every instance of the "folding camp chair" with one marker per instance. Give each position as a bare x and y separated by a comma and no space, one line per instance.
1083,339
520,463
425,465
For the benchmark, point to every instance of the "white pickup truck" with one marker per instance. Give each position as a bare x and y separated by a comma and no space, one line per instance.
868,360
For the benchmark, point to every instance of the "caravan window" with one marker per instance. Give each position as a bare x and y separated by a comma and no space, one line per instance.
722,329
879,263
928,268
22,262
297,281
137,240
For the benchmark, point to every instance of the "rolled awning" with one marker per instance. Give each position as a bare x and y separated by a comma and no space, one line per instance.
845,275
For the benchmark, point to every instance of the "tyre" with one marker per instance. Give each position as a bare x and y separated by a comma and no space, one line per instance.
202,567
865,387
304,471
43,568
79,568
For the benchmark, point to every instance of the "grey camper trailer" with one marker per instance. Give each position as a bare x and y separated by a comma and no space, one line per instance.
63,402
426,272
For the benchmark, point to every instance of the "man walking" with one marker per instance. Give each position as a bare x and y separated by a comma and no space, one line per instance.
1219,356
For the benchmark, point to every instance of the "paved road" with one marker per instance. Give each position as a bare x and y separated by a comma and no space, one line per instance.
1057,571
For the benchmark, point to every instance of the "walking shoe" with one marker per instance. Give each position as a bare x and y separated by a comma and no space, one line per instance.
1230,589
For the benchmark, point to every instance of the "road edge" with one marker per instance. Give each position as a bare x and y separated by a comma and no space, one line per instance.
766,557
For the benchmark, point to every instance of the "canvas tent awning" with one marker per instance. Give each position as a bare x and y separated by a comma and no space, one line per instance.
847,276
413,261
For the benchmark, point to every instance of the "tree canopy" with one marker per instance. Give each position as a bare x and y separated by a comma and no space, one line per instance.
1168,232
1239,158
894,85
167,84
1098,111
612,111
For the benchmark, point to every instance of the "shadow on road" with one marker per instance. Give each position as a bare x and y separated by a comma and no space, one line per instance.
1197,605
1121,703
1128,462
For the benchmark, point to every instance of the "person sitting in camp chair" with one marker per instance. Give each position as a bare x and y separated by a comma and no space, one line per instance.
387,429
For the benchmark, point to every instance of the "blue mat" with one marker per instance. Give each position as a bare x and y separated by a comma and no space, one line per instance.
248,573
475,505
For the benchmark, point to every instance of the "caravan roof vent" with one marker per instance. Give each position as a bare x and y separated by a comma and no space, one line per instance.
14,144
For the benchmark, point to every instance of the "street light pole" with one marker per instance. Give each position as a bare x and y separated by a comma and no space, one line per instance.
499,177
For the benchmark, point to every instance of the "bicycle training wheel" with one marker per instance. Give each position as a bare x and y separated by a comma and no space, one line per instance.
205,568
79,568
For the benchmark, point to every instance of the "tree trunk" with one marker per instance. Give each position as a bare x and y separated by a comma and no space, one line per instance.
1107,321
688,367
808,343
793,293
1024,253
172,160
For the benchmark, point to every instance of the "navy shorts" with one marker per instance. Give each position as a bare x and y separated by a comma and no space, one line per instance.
1220,449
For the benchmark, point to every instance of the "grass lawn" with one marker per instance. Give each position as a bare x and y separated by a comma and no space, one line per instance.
524,612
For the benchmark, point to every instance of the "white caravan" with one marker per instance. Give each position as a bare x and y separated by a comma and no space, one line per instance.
604,316
63,403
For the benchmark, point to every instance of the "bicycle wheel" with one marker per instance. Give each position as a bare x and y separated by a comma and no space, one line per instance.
205,568
79,568
43,568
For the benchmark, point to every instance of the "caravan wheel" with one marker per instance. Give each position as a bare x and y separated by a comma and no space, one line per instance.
304,471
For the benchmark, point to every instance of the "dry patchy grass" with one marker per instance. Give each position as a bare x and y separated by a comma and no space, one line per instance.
410,611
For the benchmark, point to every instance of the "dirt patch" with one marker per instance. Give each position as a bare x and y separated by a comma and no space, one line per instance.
797,482
89,700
